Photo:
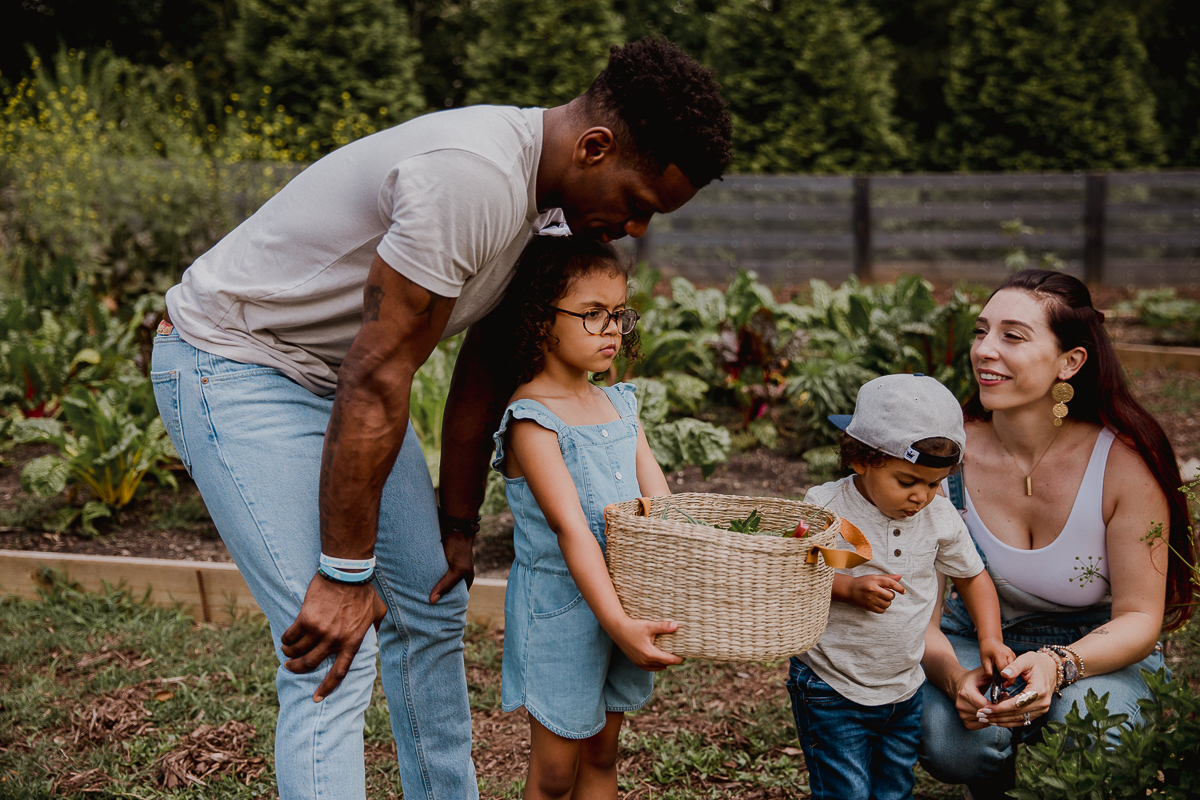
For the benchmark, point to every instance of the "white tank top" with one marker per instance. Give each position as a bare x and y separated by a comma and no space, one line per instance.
1073,569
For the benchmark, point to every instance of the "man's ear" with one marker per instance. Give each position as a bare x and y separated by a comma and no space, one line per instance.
594,146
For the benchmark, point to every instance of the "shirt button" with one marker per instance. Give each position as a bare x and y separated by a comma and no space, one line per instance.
618,476
896,532
896,552
604,433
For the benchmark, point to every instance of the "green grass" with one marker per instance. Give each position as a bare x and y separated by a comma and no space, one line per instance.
710,731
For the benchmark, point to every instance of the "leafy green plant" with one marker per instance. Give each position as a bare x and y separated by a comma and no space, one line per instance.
50,350
1156,758
427,401
1174,319
111,440
755,348
856,333
681,441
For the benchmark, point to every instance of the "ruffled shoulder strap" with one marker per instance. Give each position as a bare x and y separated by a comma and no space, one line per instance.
523,409
624,399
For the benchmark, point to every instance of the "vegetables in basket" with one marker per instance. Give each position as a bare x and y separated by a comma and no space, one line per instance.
748,524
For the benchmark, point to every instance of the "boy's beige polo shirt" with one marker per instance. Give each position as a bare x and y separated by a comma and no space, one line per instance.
872,658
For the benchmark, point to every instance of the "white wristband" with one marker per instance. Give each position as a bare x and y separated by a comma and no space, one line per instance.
347,563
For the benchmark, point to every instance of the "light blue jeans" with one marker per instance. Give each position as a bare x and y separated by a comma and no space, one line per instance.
252,439
985,760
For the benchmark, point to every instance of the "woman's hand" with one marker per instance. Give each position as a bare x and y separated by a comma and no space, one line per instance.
1040,672
635,637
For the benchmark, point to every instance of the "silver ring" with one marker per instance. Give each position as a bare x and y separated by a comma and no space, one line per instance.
1027,720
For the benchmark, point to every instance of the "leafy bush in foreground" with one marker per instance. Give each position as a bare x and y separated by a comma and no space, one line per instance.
1157,758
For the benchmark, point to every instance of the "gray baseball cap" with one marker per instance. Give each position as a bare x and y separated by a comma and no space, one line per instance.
895,412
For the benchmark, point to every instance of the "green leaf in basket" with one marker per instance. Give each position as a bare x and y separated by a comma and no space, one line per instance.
747,525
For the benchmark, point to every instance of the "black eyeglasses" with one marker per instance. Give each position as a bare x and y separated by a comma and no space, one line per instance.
595,320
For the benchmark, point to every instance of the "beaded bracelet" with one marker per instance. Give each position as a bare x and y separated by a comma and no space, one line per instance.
1058,669
1072,664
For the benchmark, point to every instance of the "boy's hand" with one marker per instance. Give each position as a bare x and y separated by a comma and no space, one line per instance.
874,592
995,655
635,637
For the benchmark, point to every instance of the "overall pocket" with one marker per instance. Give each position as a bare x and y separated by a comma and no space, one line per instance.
553,595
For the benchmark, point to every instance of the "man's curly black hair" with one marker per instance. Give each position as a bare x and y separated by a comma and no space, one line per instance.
658,99
544,273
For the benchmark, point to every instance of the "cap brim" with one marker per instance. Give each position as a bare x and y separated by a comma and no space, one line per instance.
840,421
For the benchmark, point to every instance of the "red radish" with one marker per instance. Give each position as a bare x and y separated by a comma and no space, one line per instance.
801,529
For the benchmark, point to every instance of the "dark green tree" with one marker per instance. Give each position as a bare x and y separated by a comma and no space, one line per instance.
444,29
919,32
1170,30
808,87
540,52
340,68
1047,84
684,22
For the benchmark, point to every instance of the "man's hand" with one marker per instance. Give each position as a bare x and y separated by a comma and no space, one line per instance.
333,619
460,557
874,592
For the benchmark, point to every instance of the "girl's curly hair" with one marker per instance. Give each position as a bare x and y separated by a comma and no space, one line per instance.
544,273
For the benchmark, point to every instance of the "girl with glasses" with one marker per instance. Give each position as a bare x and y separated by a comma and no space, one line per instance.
567,447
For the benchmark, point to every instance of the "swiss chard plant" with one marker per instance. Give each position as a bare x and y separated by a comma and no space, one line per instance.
855,333
56,334
107,440
680,441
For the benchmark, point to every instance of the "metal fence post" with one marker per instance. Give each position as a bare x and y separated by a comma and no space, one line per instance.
862,228
1095,200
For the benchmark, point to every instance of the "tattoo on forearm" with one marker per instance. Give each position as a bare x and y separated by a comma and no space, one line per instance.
1101,631
372,297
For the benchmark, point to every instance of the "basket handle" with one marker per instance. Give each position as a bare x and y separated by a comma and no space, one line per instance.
844,559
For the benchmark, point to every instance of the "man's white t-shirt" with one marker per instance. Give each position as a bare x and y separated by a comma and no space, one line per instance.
447,200
872,658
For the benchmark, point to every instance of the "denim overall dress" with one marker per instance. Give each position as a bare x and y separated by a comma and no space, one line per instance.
558,662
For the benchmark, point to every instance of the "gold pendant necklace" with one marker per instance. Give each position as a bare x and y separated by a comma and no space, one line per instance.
1029,474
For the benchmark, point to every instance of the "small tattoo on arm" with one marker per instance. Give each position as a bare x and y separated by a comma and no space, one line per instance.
372,297
1101,631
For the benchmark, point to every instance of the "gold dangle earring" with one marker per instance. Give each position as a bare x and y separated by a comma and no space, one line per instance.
1062,393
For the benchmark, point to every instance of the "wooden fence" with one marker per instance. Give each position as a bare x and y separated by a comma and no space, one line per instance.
1139,229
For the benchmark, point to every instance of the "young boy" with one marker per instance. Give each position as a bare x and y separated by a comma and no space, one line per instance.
856,694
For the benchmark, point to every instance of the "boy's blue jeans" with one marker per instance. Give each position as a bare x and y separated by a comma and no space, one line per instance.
853,752
252,440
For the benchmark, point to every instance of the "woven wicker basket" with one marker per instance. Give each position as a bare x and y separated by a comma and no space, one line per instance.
736,597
